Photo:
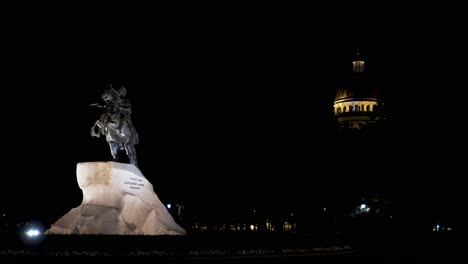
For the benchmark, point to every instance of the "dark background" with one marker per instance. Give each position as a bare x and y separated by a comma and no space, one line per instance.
231,115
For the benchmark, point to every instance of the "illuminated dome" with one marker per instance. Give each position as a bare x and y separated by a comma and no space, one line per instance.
359,102
357,89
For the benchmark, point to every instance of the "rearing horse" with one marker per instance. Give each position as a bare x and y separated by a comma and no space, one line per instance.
118,139
115,124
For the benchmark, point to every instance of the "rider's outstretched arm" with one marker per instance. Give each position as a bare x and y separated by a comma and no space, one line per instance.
98,105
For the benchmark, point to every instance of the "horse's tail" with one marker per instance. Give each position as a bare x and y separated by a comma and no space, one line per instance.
133,132
135,136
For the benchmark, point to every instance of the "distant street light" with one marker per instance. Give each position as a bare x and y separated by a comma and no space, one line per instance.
33,233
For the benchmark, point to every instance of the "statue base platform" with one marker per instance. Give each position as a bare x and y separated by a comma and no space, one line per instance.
117,200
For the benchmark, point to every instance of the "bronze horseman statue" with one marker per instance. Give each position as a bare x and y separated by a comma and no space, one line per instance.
116,123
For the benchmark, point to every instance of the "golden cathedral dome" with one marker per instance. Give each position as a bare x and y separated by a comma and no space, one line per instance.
358,102
358,89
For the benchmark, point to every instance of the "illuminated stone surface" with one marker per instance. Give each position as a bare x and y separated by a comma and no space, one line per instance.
117,199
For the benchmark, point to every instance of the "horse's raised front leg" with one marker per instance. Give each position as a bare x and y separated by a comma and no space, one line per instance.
93,130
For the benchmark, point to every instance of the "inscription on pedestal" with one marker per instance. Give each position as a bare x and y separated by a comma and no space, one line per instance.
134,183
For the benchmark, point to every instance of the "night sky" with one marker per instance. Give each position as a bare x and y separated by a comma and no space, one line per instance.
230,117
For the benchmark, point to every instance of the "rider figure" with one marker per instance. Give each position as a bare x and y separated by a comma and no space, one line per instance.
124,108
116,120
117,107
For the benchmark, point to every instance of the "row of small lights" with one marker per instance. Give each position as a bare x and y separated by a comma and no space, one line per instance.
34,232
